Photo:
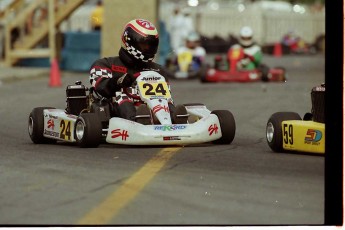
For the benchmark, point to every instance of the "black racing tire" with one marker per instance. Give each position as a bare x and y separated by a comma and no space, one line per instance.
202,72
264,69
284,72
88,130
36,126
143,110
203,77
180,115
227,126
274,133
308,117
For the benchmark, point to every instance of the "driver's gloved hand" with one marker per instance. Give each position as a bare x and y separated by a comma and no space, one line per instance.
125,80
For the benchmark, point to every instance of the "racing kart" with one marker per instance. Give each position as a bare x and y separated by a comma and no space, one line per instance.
228,71
185,66
286,131
90,119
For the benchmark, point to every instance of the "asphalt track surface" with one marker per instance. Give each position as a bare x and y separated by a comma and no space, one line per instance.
243,183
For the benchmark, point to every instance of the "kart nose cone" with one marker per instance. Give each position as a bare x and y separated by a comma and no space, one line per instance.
269,132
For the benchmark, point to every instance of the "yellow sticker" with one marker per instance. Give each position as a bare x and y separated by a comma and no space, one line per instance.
65,130
154,90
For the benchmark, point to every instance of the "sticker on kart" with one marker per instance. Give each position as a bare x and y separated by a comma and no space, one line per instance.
65,130
299,136
154,90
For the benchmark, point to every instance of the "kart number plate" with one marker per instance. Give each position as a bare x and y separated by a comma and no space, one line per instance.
154,90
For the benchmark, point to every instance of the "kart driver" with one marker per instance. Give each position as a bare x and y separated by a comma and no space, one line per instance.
252,53
197,56
110,75
193,45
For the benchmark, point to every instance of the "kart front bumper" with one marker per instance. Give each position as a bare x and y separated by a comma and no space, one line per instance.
127,132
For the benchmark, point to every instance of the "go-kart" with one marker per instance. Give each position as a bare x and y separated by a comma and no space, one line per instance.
90,119
185,66
228,71
286,131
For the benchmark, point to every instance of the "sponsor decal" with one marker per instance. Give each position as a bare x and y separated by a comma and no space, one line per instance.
158,108
320,88
120,133
213,129
172,138
146,24
51,133
151,78
120,69
65,130
50,124
170,127
253,76
313,137
52,116
75,86
151,69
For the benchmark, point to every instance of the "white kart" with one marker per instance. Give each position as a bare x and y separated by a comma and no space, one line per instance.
89,120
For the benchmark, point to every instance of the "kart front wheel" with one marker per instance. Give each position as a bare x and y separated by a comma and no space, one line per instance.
88,130
227,126
36,126
274,135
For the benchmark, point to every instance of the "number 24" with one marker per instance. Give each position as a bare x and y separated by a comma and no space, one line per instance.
151,91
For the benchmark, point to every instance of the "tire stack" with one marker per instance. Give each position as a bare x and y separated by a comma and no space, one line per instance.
318,103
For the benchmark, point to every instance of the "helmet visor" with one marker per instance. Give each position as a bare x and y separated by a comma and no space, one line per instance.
246,38
148,46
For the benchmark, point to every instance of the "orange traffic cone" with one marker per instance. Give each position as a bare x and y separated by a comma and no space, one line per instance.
55,78
277,52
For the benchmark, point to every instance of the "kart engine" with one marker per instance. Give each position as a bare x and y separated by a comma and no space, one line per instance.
318,103
76,98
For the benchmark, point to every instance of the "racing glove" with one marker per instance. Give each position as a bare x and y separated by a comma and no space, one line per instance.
244,62
250,57
125,80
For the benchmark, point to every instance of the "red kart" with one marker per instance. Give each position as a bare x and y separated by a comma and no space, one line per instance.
226,71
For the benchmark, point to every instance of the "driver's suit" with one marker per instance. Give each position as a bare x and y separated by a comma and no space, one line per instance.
252,59
107,76
252,56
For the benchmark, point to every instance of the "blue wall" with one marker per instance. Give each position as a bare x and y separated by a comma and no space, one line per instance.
80,50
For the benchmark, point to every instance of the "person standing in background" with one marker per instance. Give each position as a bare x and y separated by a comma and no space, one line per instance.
188,24
175,28
97,16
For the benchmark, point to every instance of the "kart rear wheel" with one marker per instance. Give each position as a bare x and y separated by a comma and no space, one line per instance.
36,126
227,126
274,135
284,76
88,130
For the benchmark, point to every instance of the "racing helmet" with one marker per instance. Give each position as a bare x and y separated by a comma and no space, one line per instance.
140,39
246,36
192,40
193,37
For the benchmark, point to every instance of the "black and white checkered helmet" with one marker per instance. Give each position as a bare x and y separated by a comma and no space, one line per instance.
140,39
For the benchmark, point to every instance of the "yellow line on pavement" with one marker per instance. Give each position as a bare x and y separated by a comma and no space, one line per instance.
104,212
